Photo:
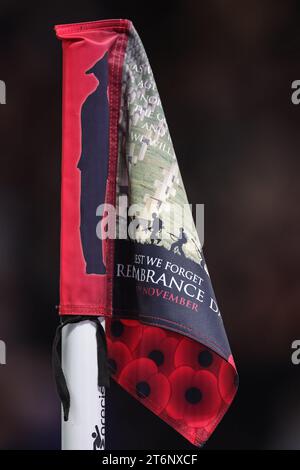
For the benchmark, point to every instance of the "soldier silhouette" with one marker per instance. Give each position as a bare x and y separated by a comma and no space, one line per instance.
182,240
156,229
93,165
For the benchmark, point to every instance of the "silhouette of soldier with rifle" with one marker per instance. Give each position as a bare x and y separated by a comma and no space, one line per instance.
182,240
93,165
156,229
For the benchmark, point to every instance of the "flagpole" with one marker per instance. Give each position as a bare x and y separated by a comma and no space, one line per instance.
85,428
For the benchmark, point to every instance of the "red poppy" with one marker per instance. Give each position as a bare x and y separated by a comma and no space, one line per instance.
142,379
159,347
118,356
194,396
120,330
228,382
193,354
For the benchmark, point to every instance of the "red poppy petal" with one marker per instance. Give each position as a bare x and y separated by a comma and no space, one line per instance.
153,336
227,382
203,411
178,381
168,347
118,356
193,354
151,340
119,331
194,396
138,370
160,392
185,354
159,347
141,379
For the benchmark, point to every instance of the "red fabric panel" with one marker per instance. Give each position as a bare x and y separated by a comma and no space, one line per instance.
82,47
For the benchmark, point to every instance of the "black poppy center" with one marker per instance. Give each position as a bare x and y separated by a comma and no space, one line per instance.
193,395
205,358
117,329
143,389
157,356
112,365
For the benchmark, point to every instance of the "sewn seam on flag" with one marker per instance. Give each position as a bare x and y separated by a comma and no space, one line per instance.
115,83
108,25
195,439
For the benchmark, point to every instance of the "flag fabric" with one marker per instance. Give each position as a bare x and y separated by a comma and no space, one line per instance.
145,273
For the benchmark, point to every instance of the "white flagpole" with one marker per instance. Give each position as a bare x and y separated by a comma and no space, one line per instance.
85,428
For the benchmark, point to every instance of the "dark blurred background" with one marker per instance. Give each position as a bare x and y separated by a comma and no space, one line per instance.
228,65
